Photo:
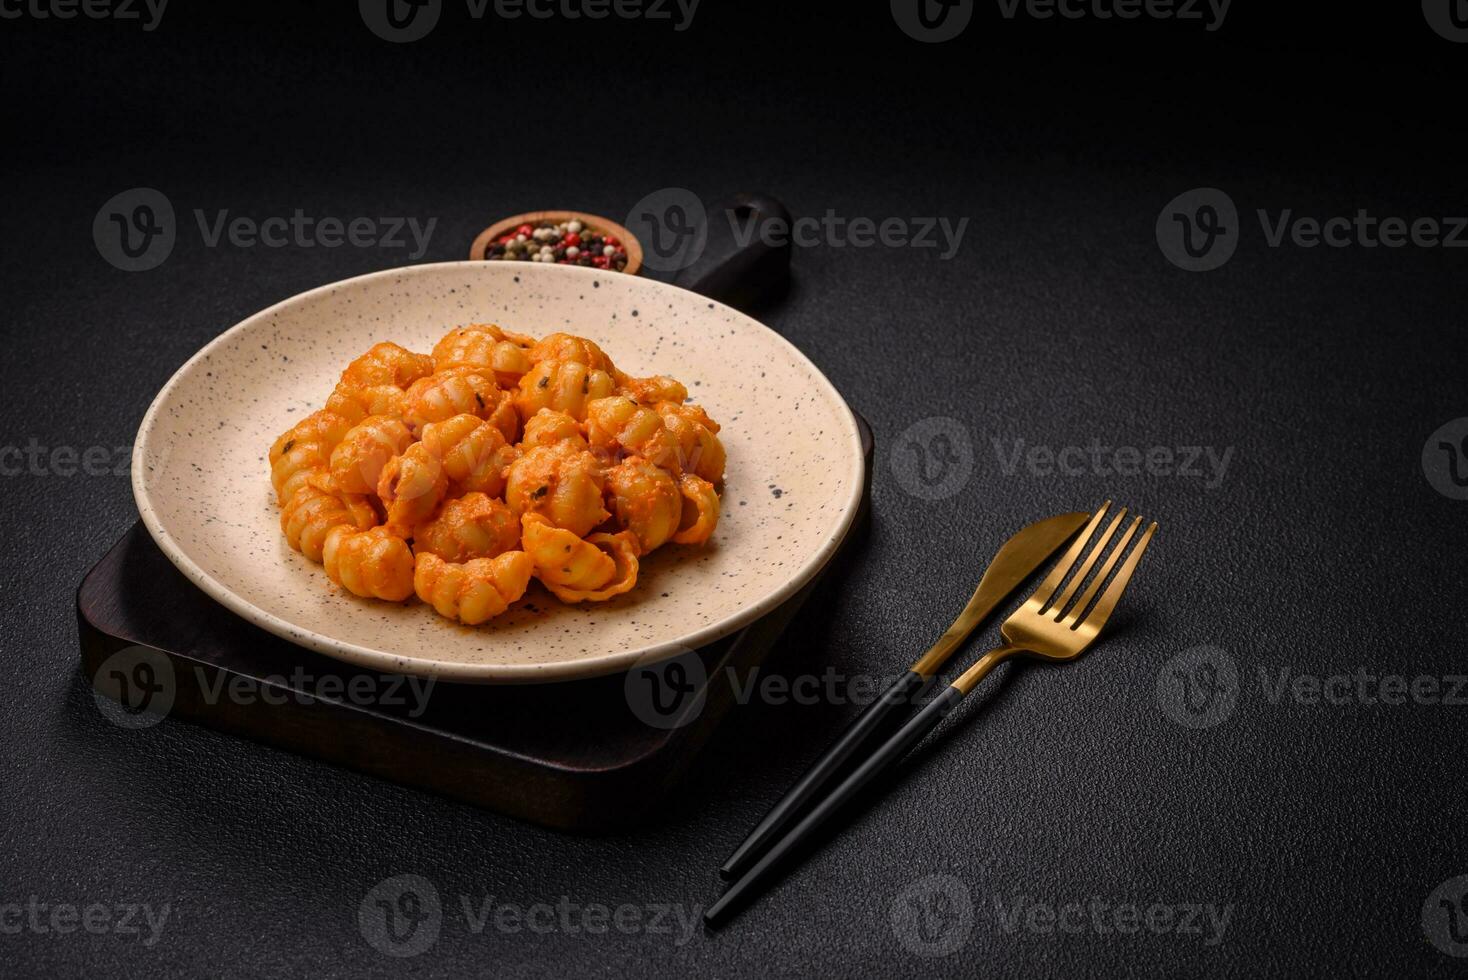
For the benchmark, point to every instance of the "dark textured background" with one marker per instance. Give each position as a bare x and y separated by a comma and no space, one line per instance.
1059,321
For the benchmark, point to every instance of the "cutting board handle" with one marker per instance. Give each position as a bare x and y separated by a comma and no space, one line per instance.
739,266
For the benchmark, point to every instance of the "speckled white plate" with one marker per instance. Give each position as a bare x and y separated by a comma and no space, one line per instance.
793,480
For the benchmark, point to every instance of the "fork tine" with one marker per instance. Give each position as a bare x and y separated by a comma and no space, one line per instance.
1057,574
1075,583
1100,579
1104,605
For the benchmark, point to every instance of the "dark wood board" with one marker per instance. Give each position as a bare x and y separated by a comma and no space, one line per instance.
574,755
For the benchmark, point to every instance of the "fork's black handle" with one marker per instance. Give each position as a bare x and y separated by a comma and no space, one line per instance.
883,758
739,266
858,734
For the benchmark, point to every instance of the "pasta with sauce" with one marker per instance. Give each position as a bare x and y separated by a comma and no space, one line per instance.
461,476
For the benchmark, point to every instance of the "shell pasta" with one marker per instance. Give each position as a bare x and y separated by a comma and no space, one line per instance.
462,476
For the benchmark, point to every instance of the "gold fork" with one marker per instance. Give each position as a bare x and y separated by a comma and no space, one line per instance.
1049,626
1052,624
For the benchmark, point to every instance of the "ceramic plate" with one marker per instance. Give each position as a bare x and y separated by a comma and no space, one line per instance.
793,480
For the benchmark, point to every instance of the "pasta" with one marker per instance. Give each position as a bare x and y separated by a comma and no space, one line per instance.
561,482
474,452
357,461
454,391
620,425
484,345
301,450
575,568
411,487
565,386
645,500
375,563
548,427
475,525
699,450
473,591
459,476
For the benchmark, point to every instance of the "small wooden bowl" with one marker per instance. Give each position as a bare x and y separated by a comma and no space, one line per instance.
596,221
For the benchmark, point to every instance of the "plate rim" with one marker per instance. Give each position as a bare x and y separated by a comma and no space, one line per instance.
455,671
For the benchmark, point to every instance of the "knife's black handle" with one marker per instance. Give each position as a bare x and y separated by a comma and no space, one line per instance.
868,725
881,759
745,261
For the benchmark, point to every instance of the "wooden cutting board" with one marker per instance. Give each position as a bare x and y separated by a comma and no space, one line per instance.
583,755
